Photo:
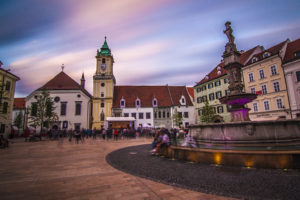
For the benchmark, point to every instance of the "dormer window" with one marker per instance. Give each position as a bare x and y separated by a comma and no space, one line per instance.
122,103
206,77
254,60
266,54
219,72
138,102
154,102
182,100
219,68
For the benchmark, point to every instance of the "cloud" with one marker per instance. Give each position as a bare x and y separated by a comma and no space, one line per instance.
36,70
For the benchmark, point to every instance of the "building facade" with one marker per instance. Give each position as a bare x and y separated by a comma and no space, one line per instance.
291,68
264,75
19,109
150,106
153,106
215,85
71,101
7,93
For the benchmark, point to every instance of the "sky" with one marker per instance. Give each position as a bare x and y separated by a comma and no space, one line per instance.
154,42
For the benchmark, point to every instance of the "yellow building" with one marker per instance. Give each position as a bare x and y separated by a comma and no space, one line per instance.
215,85
264,75
7,93
103,86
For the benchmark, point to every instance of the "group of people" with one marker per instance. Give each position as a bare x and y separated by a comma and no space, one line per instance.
163,138
81,135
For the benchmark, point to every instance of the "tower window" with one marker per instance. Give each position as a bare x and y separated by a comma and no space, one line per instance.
102,105
102,84
103,60
102,116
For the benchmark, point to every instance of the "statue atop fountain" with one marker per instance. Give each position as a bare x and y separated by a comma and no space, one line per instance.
237,99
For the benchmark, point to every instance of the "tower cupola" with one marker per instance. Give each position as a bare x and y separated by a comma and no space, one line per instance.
104,51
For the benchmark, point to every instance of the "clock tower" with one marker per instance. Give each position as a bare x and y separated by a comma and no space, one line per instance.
103,86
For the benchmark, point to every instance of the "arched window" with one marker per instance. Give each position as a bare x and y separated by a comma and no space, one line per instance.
122,103
102,105
138,102
254,60
182,100
154,102
103,60
102,116
78,108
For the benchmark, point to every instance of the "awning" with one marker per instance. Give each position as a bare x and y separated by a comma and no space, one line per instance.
120,119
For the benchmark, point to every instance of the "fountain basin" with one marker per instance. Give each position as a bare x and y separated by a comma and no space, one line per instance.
283,159
248,132
261,144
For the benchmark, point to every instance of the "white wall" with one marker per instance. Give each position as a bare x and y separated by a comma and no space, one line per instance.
69,96
137,111
190,110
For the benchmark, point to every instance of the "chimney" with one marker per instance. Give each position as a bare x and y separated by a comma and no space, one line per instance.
82,81
1,64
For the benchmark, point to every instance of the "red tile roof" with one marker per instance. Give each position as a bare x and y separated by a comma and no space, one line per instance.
166,95
291,49
63,82
214,73
273,51
177,92
19,103
191,91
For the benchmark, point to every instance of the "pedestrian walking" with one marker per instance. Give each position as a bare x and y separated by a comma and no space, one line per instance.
103,134
94,132
115,134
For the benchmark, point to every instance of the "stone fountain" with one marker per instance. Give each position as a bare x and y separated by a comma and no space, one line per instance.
241,142
237,99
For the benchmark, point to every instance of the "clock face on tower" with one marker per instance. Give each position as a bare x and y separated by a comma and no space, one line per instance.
103,66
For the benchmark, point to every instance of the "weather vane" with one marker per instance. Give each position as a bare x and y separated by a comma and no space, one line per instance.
62,67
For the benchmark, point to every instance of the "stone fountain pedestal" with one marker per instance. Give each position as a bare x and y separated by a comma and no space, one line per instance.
237,99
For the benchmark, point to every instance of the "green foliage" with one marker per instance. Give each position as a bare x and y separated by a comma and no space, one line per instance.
18,122
208,113
177,118
42,111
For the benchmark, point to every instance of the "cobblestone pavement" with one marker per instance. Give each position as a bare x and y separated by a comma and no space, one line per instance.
64,170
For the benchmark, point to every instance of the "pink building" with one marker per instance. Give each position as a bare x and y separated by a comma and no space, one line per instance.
292,73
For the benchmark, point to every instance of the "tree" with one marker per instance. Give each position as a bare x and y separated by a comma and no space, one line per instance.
42,111
18,122
208,113
177,118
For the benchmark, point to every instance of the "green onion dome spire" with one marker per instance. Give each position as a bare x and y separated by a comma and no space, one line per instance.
104,49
